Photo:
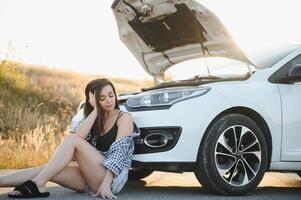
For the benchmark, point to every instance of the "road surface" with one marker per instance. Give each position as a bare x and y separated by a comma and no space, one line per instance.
170,186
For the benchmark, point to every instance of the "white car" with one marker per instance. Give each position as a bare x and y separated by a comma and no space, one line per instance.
229,126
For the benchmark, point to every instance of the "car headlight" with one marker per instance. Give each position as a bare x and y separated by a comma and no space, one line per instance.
164,97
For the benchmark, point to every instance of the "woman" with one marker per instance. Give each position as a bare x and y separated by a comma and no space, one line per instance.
102,145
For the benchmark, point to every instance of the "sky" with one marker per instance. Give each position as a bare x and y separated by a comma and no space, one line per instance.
82,36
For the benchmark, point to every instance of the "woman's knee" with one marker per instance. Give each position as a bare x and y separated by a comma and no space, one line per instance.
73,139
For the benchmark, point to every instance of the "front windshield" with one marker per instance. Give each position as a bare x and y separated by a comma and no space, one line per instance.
214,67
224,68
266,57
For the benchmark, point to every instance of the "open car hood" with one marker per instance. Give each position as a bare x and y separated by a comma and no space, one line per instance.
161,33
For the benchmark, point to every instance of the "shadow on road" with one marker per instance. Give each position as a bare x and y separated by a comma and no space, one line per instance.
175,192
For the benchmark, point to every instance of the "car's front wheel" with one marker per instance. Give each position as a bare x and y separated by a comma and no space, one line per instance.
233,156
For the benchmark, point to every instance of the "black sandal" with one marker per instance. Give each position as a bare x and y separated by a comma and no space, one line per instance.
28,190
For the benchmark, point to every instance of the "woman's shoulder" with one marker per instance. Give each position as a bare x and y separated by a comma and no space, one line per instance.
124,116
125,125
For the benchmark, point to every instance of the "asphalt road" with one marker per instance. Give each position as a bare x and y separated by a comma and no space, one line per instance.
184,186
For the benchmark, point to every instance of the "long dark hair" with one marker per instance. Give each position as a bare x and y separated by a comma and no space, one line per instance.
95,87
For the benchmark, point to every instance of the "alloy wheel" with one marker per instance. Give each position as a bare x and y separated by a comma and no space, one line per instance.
238,155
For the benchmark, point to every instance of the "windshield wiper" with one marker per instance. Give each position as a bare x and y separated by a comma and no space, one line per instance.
194,81
202,78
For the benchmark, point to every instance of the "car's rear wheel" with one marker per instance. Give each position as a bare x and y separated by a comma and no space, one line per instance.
233,156
139,174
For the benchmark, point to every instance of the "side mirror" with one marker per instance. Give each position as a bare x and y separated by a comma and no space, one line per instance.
294,74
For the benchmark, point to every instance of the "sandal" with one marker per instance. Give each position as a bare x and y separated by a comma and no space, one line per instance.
28,190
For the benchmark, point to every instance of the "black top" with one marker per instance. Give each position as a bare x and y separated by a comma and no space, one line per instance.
104,141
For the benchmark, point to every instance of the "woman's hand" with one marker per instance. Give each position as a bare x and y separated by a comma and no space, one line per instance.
92,99
104,191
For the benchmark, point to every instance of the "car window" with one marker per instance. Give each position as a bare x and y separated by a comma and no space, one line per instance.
283,71
296,61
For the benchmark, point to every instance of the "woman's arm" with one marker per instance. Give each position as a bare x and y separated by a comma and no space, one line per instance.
105,187
87,124
125,125
125,128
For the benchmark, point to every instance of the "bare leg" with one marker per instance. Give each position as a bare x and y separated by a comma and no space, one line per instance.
90,158
58,161
89,162
70,177
90,168
19,177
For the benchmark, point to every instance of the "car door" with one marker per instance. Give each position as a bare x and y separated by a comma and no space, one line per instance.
291,112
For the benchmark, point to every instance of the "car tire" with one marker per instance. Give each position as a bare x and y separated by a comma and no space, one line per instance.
299,173
139,174
232,157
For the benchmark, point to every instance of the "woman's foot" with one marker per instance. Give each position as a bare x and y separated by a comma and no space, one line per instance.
14,193
28,189
41,188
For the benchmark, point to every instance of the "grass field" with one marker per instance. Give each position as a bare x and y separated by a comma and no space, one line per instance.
36,107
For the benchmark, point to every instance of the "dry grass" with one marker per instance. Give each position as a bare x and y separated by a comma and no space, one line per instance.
29,148
36,107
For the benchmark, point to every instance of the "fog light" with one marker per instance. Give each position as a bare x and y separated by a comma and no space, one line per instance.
156,140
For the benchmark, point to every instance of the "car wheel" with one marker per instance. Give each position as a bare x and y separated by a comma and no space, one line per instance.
299,173
139,174
232,157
